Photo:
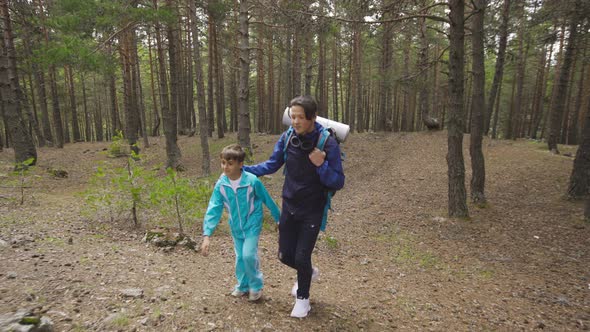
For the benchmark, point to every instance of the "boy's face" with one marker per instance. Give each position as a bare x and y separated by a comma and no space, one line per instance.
232,168
301,124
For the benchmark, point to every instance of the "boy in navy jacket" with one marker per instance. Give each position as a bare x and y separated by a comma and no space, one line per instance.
310,173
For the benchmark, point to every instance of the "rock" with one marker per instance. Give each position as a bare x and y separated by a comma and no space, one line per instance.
3,244
132,293
25,321
188,243
58,173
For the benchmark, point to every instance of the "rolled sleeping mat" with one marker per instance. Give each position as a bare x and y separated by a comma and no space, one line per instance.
341,130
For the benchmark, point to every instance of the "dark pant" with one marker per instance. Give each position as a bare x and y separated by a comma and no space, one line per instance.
297,237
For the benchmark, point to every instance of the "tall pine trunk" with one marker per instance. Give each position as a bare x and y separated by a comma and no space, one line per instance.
87,126
243,88
499,72
168,105
73,104
201,102
574,125
579,184
260,88
22,141
558,107
478,176
456,166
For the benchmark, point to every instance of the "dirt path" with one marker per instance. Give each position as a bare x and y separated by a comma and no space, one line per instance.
389,260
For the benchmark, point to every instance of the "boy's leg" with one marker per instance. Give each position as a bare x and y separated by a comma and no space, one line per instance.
308,234
241,277
251,263
288,230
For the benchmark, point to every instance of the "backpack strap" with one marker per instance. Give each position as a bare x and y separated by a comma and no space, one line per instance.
288,135
324,134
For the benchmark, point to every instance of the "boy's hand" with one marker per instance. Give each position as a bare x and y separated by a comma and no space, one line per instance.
317,157
205,246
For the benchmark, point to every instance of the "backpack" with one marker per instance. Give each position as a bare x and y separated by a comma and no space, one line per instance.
323,138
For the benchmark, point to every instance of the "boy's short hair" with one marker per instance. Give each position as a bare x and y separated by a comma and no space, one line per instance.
233,152
308,104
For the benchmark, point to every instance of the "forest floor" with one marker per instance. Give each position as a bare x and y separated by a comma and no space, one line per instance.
390,259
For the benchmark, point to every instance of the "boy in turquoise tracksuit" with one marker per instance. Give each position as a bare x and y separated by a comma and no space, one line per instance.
242,194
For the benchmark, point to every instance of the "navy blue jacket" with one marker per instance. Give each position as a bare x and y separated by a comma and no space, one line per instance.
305,186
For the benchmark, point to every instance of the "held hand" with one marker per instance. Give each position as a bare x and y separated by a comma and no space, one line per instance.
317,157
205,246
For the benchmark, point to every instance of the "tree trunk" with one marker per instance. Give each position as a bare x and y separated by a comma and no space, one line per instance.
97,113
260,78
555,79
201,102
210,83
579,184
73,105
308,47
191,117
243,89
22,141
574,125
499,72
235,74
169,104
297,41
424,94
322,96
42,97
87,126
538,95
272,114
356,89
519,102
129,88
335,56
456,167
216,64
156,111
138,93
30,44
385,73
478,176
56,113
405,106
558,107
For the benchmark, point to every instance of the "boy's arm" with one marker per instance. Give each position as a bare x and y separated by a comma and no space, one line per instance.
267,200
214,211
331,172
274,162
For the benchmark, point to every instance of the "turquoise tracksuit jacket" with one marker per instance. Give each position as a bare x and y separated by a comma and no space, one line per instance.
244,207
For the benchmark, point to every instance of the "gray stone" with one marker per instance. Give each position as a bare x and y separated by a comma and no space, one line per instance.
132,292
24,321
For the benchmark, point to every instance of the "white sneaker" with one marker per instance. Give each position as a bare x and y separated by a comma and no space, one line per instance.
315,274
255,296
238,293
301,308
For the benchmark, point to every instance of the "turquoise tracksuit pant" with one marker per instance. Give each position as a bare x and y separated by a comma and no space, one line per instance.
247,264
